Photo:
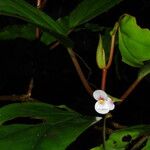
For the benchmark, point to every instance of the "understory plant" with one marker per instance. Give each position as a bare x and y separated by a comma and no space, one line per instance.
58,126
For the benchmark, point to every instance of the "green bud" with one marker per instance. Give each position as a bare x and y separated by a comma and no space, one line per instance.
100,54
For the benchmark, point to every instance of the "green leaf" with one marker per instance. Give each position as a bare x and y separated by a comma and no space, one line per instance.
26,31
134,42
100,54
58,129
147,146
47,39
25,11
144,70
88,9
120,139
98,148
114,99
18,31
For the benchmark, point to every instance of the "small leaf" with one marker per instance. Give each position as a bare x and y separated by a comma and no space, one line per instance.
88,9
144,70
100,55
59,128
115,99
134,42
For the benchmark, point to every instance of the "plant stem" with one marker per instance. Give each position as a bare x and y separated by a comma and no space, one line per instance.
104,75
40,4
130,89
111,51
29,91
105,70
79,71
38,31
55,44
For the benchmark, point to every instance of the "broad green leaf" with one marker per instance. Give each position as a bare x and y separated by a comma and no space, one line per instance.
144,70
58,129
120,139
100,54
18,31
134,42
25,11
88,9
26,31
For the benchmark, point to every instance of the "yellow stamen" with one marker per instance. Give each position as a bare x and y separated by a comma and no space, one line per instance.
101,101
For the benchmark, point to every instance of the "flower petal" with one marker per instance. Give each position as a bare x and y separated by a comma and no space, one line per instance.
110,103
99,93
102,108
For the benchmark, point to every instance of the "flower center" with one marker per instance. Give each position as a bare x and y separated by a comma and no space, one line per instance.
101,101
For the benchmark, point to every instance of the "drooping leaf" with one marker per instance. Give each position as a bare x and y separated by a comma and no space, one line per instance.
144,70
134,42
88,9
120,139
58,129
25,11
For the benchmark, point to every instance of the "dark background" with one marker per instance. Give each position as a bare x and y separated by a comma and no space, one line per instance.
55,78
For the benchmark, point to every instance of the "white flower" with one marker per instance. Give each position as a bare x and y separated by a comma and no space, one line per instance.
104,103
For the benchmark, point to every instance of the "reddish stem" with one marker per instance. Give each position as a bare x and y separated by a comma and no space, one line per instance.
105,70
111,51
40,4
79,71
130,89
54,45
104,75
